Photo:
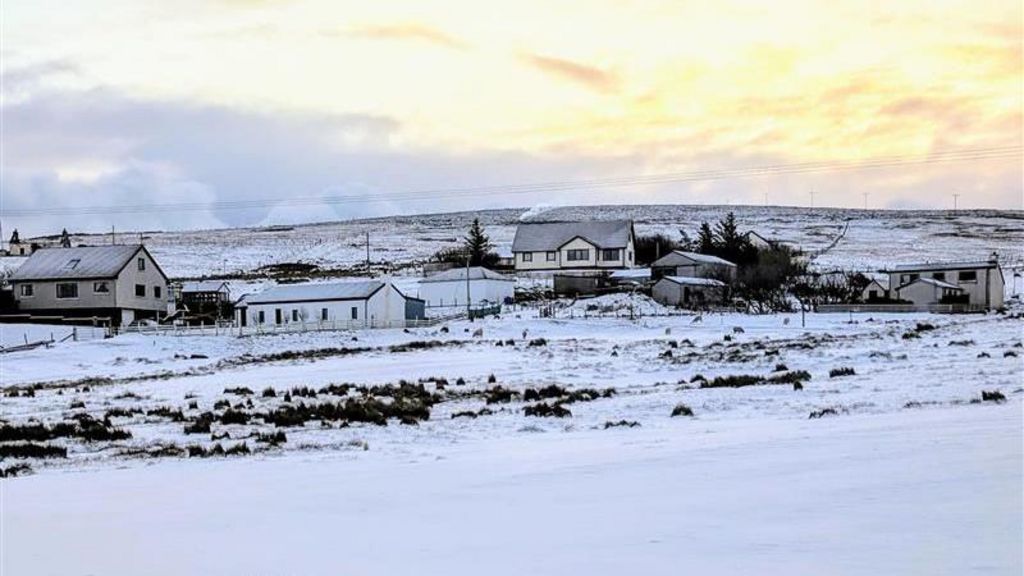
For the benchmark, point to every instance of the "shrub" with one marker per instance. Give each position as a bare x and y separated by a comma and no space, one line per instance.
735,381
240,391
19,469
538,342
993,396
682,410
781,368
492,379
201,425
30,450
839,372
623,423
545,410
232,416
822,413
794,377
551,391
174,415
499,395
269,393
274,438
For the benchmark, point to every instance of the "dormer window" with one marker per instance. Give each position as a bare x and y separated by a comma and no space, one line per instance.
72,264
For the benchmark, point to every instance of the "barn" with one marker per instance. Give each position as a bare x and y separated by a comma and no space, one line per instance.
451,288
684,291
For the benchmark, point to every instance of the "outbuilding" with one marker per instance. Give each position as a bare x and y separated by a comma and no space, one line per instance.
927,291
686,291
451,288
693,265
981,282
362,304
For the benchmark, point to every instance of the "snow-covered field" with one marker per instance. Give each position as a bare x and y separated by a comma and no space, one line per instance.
906,470
853,444
874,239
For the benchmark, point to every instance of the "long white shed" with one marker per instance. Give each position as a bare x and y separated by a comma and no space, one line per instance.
449,288
364,304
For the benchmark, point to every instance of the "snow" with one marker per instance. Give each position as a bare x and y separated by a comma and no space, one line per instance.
933,492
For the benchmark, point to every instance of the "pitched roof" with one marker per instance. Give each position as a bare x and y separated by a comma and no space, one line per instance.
926,266
284,293
688,281
204,286
673,259
459,274
933,282
76,263
550,236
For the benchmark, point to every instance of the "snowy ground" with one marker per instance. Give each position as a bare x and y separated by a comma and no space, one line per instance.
875,238
907,470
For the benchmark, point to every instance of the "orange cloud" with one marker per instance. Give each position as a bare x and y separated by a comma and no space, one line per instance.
413,32
589,76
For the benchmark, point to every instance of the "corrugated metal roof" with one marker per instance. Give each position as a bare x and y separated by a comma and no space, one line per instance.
204,286
688,281
550,236
632,273
672,259
924,267
76,263
459,274
315,292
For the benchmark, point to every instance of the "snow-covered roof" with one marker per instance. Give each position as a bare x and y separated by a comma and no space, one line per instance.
632,273
933,282
76,263
284,293
927,266
690,281
550,236
204,286
459,274
673,259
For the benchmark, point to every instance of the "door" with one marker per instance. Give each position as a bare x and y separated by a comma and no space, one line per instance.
277,316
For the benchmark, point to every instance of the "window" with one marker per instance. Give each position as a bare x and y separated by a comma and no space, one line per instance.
72,264
355,313
527,256
610,255
295,315
101,287
262,317
156,292
27,290
577,255
968,276
140,290
323,314
142,264
67,290
939,276
278,316
908,278
552,256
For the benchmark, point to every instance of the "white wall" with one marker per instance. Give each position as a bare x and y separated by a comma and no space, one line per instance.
386,307
453,293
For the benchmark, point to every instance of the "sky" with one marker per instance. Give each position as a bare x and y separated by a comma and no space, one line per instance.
273,111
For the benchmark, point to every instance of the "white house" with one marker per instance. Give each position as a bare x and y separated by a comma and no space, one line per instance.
688,291
875,291
925,291
981,281
362,304
693,265
450,288
122,282
597,245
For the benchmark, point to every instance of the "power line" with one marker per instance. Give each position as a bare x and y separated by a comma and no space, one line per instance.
967,154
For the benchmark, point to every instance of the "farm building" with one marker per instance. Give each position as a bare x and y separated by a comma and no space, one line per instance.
450,288
363,304
981,282
693,265
205,301
122,283
925,291
875,291
687,291
18,247
598,245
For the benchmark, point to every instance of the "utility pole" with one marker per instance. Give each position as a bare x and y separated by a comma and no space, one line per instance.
955,196
469,310
113,239
812,199
765,198
866,194
367,250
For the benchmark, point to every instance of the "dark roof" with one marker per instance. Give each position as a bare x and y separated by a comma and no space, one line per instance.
550,236
76,263
459,274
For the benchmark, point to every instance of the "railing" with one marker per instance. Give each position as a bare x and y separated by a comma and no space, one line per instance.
903,308
269,329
